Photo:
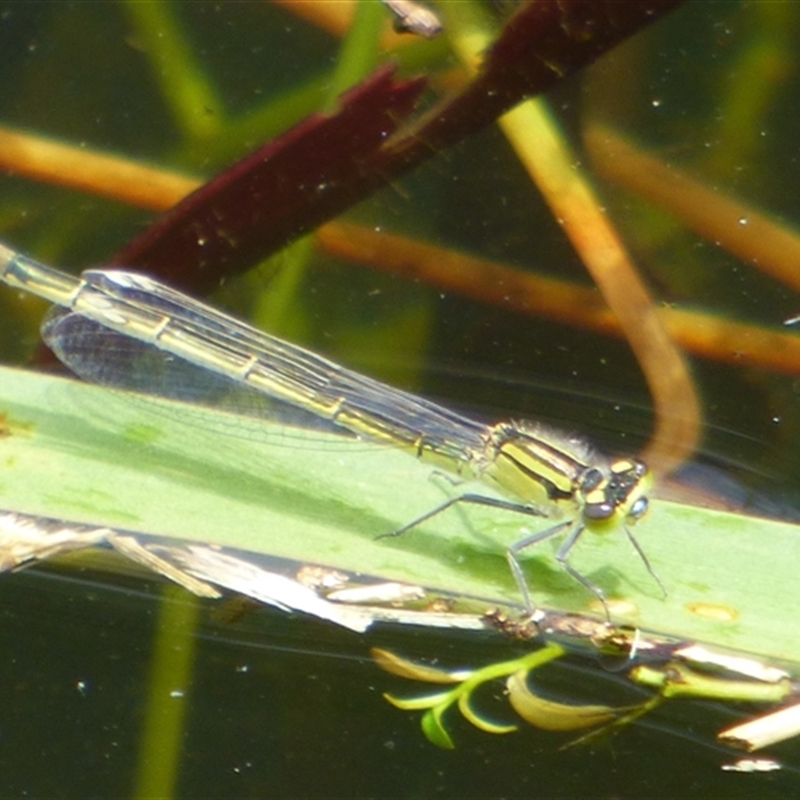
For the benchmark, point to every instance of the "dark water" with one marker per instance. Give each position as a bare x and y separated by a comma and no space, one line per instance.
282,706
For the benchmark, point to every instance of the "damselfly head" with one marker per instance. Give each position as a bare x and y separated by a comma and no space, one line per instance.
620,495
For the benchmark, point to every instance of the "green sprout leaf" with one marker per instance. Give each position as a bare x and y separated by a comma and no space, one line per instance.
403,668
434,730
418,703
461,695
480,722
678,680
552,716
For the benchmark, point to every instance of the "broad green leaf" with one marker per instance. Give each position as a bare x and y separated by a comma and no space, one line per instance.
87,455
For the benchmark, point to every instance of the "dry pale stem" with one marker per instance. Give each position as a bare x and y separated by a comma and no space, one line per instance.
749,234
336,17
561,301
96,173
548,160
546,156
480,279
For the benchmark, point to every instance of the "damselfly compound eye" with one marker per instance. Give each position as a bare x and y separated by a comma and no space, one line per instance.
591,479
598,511
638,509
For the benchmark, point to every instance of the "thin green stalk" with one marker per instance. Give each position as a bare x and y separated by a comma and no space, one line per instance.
194,103
173,657
359,52
276,310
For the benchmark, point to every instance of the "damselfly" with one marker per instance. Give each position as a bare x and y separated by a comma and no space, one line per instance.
541,471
